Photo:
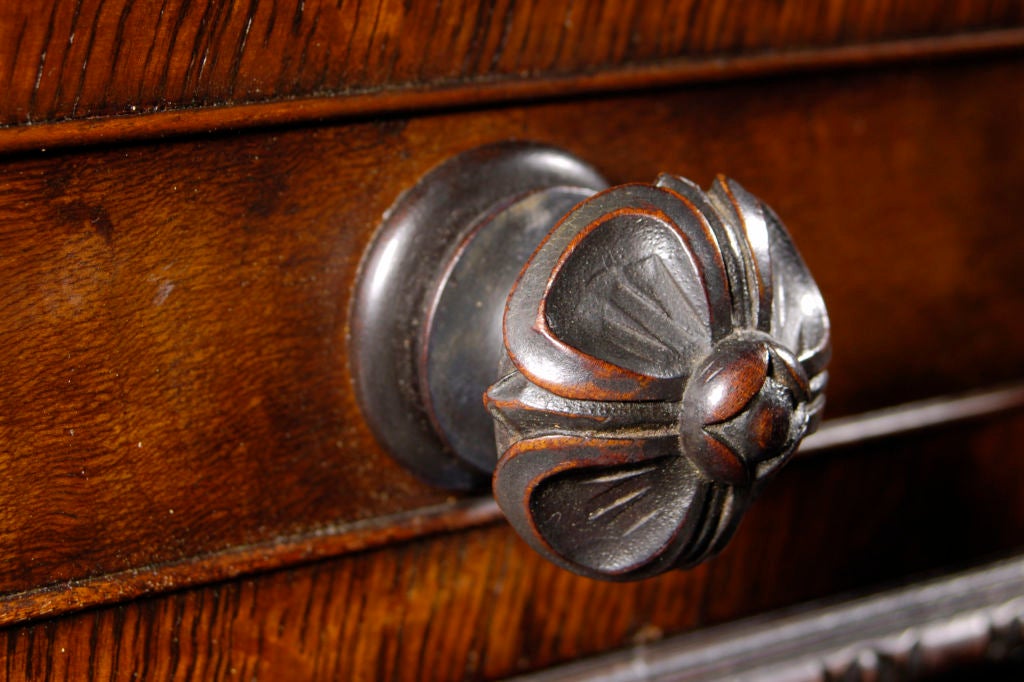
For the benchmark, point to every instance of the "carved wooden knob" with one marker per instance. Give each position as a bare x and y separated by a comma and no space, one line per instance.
667,353
661,355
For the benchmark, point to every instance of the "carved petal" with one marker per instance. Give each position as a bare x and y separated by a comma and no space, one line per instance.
608,506
745,220
799,319
618,303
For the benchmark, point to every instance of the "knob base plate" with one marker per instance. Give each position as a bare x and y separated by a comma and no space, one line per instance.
425,329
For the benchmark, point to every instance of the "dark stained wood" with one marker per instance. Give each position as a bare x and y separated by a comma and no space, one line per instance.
381,531
915,416
875,513
481,605
74,60
246,559
177,406
158,123
175,313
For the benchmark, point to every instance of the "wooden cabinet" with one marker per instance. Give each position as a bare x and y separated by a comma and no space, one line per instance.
186,190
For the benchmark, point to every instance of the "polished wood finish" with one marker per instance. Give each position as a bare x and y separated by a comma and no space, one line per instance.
163,123
481,605
175,313
187,188
76,60
834,437
231,562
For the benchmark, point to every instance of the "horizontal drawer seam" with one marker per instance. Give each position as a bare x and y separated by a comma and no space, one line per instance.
456,515
358,104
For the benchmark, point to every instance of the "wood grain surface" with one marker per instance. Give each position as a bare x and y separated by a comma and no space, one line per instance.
88,58
481,605
167,123
175,313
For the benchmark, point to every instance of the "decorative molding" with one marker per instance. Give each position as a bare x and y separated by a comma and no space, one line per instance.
905,634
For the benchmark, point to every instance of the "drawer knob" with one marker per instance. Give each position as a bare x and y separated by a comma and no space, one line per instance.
660,356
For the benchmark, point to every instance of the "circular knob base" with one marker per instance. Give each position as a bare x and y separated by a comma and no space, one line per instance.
427,312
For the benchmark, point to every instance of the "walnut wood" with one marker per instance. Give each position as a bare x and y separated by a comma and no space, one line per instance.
246,559
481,605
915,416
191,296
342,539
62,60
160,123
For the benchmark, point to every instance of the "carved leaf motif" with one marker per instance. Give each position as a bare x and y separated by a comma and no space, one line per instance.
613,505
617,519
627,295
618,302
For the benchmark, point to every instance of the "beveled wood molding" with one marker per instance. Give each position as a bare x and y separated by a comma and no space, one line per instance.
75,595
972,617
61,60
910,417
132,123
328,542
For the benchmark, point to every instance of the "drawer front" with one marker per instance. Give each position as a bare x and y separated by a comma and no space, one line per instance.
177,400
